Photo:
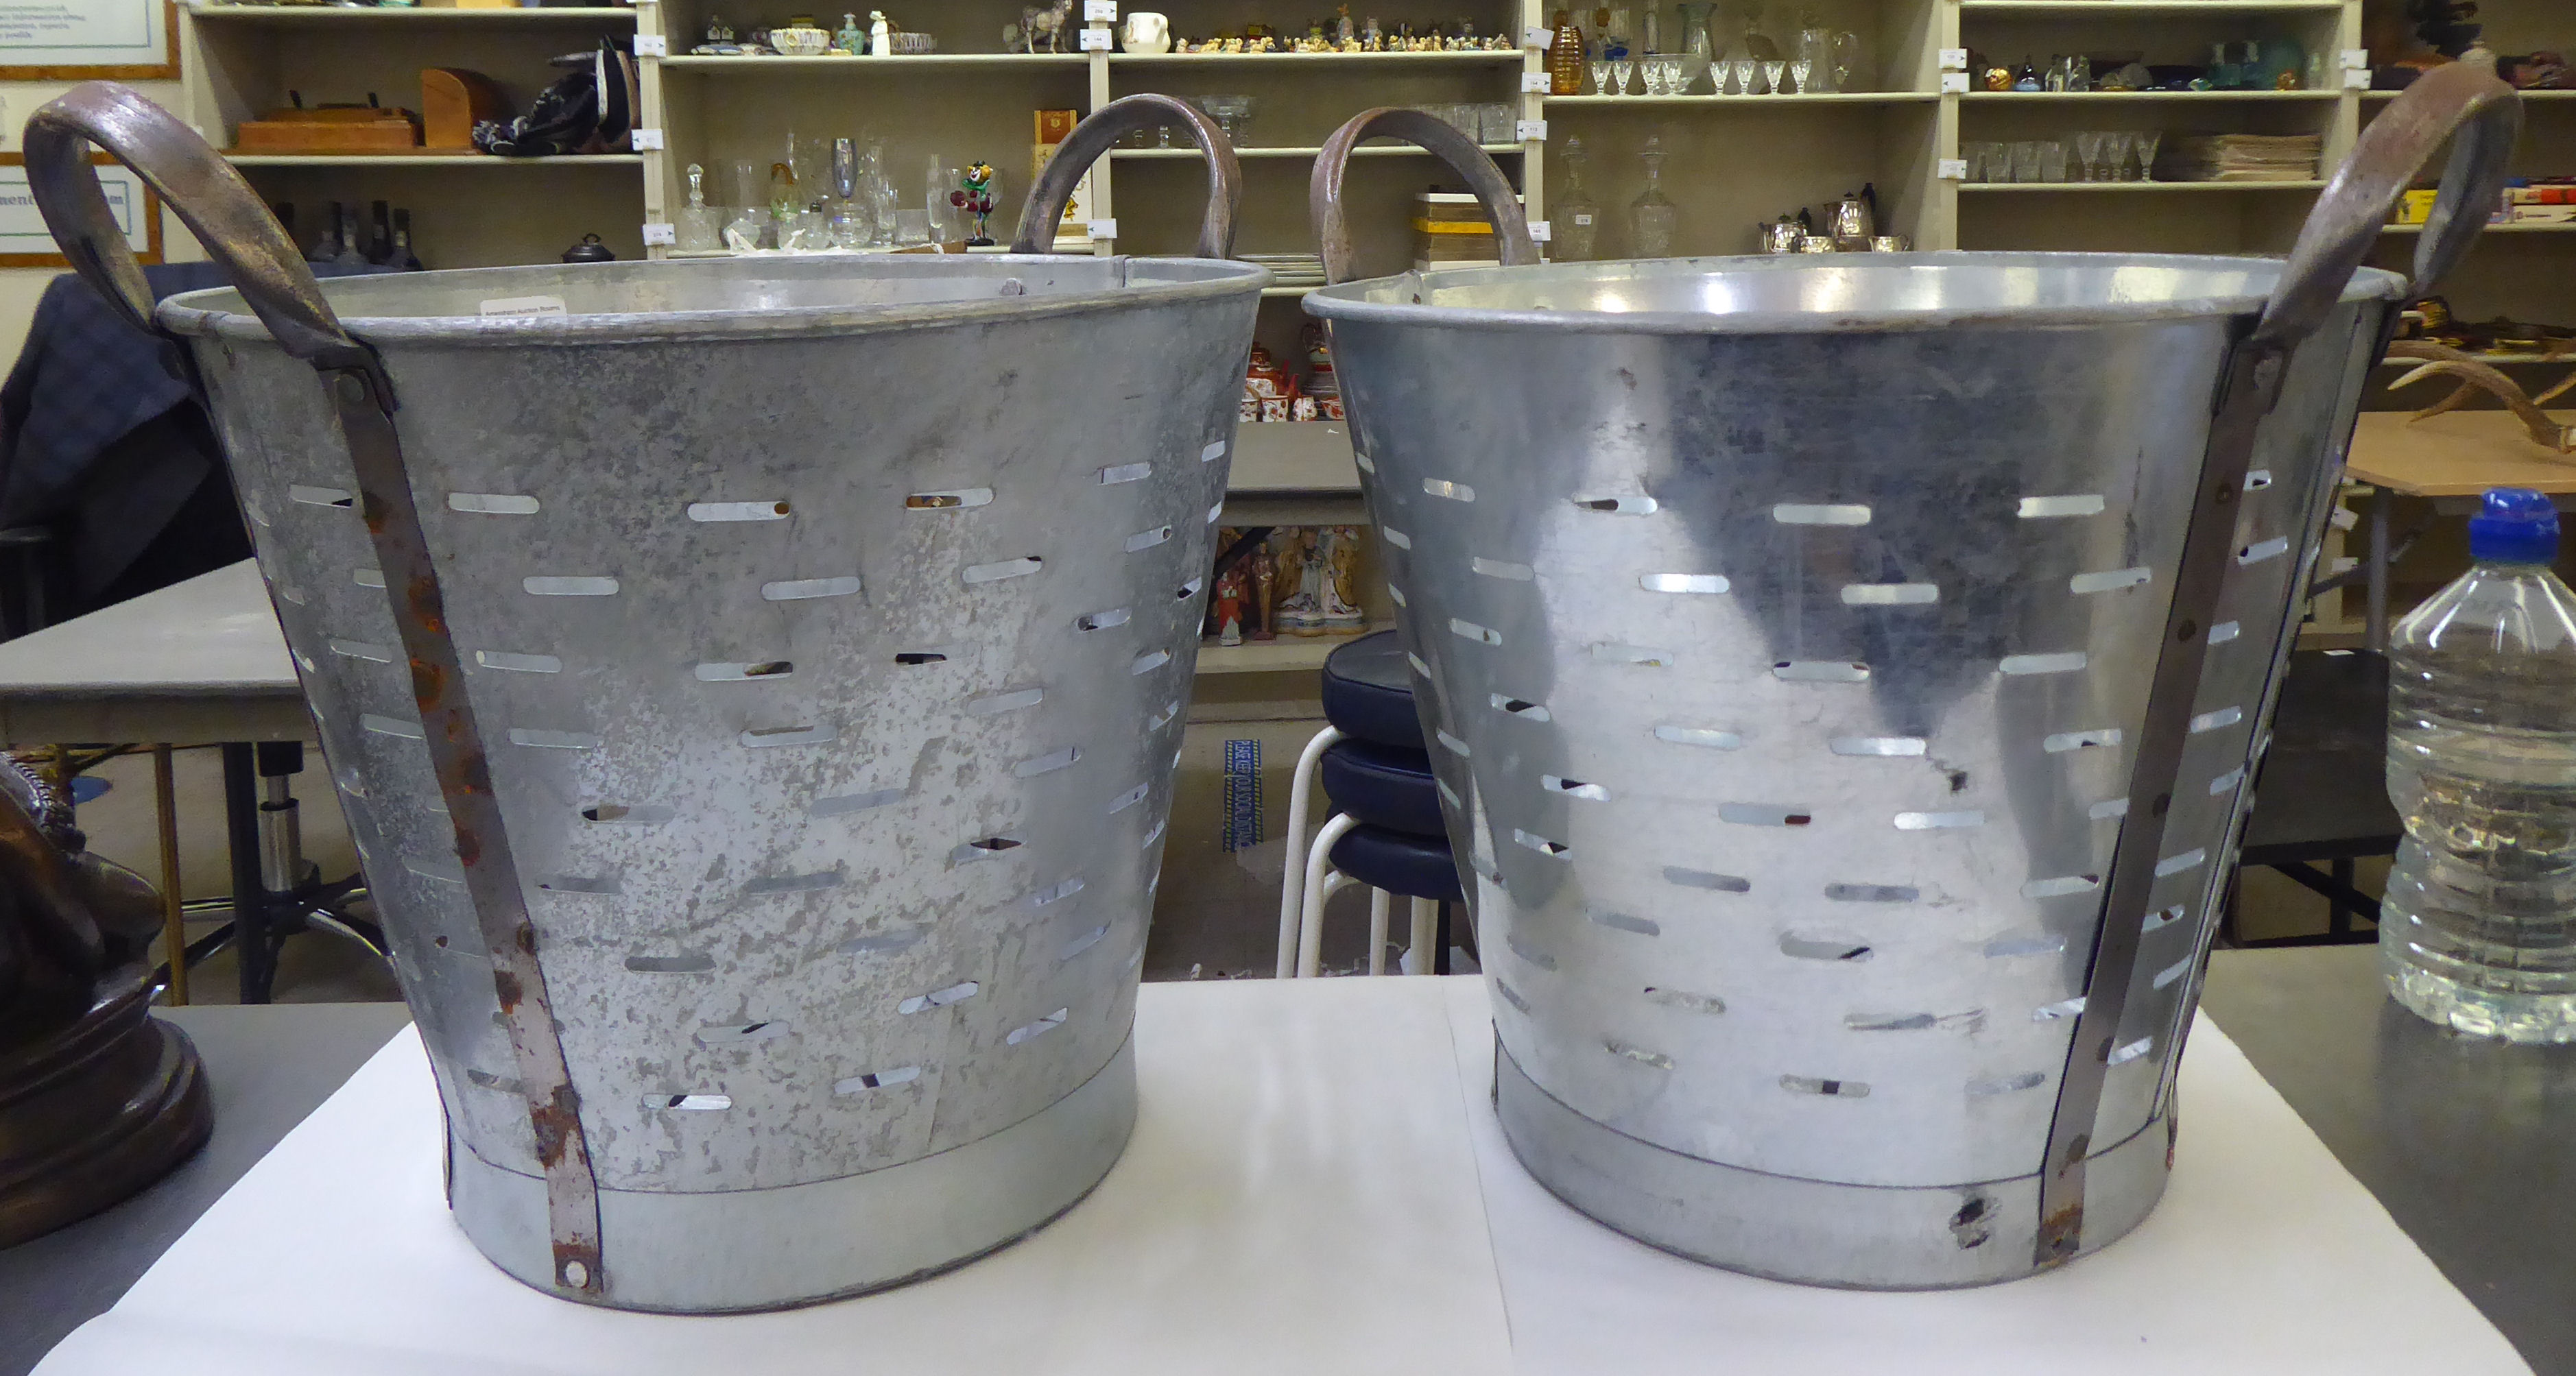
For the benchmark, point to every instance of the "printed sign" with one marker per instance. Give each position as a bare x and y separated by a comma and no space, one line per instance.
26,243
72,40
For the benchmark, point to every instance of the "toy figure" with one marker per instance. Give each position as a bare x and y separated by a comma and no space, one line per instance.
1340,585
1264,568
1229,600
975,197
1303,575
1047,23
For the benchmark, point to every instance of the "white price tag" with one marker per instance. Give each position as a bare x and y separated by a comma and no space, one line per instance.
1100,11
1533,131
1095,40
648,140
1541,231
1541,39
659,234
1104,229
2356,59
652,45
2356,81
1534,83
1954,59
1954,83
1954,169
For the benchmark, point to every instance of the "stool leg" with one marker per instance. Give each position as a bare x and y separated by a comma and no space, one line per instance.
165,817
1426,923
1292,878
1310,921
1381,907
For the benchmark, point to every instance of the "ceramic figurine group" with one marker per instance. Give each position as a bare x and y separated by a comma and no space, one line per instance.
1342,34
1293,580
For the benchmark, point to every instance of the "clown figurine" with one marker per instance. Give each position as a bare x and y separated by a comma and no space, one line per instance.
975,197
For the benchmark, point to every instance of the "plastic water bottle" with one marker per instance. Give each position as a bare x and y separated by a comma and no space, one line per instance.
2478,928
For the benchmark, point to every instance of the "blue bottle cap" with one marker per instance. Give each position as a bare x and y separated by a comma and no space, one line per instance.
2514,525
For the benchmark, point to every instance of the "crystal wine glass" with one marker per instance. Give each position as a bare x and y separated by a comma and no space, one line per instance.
1626,71
1771,74
1742,68
1803,70
1601,80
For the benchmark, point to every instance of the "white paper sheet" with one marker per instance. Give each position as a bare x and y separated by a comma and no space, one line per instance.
1317,1185
1299,1197
2266,1257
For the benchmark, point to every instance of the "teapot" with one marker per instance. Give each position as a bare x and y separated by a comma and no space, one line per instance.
1782,235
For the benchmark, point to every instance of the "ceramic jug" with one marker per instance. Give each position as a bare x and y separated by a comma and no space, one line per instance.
1146,32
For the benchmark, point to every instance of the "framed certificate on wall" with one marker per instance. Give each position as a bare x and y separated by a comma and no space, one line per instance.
78,40
26,243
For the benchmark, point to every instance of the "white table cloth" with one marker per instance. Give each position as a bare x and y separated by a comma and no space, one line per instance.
1317,1184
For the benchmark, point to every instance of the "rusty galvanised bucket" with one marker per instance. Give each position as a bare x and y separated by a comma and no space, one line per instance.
754,688
1845,676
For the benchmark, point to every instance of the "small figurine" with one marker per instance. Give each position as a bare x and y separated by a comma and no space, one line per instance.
975,196
1341,583
1047,23
1231,590
1372,37
1263,569
1344,32
880,35
851,39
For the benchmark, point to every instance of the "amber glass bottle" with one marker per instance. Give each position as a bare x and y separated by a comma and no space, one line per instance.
1565,57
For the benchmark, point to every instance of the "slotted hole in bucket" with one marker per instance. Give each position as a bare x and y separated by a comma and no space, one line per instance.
1101,621
740,1034
1573,788
1528,711
1765,814
877,1079
632,814
917,657
690,1103
985,849
1831,1089
949,501
1189,590
1617,505
718,512
739,673
1823,948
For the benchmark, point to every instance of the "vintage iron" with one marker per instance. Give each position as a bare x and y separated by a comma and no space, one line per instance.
1845,676
765,814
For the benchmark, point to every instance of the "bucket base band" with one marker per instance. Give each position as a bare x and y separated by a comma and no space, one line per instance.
738,1251
1813,1232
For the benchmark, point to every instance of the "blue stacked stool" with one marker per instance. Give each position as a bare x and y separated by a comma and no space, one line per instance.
1385,832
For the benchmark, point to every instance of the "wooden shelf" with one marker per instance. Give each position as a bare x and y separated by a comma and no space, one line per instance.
426,160
2098,188
1287,654
1511,55
921,64
2126,8
1403,150
2106,97
1756,102
2562,227
342,14
1295,456
2543,97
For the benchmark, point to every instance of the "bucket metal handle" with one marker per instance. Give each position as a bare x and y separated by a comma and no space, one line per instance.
1437,136
1098,133
203,190
213,200
2466,98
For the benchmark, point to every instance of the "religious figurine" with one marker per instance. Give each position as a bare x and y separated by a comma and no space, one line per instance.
1341,584
1231,590
1264,575
974,195
1301,580
97,1098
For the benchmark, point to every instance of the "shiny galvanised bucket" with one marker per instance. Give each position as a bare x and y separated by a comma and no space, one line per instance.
824,627
1847,675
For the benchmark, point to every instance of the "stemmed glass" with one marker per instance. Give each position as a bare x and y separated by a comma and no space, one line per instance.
1802,69
1601,80
2088,158
1771,74
1651,71
1626,71
1742,67
2145,145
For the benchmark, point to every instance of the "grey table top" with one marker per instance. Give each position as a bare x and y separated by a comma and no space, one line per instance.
2465,1143
193,664
2469,1145
268,1067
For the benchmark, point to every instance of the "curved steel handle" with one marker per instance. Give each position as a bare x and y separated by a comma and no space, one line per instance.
2466,98
1097,134
198,185
1439,137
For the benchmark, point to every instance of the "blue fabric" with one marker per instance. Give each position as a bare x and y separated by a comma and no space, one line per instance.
1368,692
1383,787
1415,866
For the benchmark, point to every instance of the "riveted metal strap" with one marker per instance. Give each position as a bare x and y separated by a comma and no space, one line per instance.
236,228
2466,98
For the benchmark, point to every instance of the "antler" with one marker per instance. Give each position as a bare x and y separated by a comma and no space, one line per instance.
2545,430
2424,350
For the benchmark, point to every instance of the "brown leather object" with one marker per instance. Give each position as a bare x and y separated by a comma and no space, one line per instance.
364,129
452,100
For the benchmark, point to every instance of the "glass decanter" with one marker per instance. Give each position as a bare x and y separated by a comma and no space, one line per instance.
1652,217
1577,217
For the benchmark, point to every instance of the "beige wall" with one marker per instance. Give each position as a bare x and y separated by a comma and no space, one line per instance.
19,287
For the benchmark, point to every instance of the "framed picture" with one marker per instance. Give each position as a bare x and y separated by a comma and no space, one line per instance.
82,40
26,243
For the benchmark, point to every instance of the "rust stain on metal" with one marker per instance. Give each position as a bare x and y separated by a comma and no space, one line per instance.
506,985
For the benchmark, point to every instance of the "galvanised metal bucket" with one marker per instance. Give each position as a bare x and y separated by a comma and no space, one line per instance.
754,688
1846,674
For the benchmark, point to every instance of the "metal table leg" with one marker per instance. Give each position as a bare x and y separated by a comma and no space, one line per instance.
253,940
2376,632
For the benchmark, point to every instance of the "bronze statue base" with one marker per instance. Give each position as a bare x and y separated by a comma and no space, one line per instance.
92,1114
